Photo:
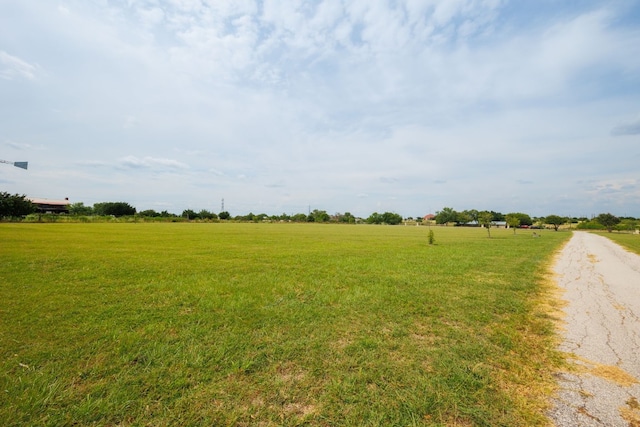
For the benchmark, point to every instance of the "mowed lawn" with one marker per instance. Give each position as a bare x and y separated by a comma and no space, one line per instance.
274,324
629,240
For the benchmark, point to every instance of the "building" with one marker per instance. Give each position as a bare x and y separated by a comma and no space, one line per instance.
50,205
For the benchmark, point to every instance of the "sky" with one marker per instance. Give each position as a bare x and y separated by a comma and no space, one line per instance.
360,106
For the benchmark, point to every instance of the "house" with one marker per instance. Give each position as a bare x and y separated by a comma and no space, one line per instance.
429,217
50,205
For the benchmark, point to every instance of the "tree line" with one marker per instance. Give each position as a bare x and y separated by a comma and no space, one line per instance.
15,206
517,219
317,215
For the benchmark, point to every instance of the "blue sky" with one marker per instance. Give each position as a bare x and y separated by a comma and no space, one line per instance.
344,106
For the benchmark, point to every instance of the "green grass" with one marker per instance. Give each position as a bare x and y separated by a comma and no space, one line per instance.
628,240
273,324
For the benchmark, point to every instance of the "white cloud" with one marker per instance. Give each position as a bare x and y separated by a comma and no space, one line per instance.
12,67
151,16
151,162
322,102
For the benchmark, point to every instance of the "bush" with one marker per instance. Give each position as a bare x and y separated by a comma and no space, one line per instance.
590,225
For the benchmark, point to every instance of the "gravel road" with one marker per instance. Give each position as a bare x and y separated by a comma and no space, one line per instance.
601,284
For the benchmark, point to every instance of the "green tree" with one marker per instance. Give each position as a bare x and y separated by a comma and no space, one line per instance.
15,205
513,221
149,213
391,218
473,213
189,214
80,209
114,208
318,216
283,217
205,214
497,216
627,224
523,217
608,221
446,215
485,219
463,218
555,220
299,217
374,218
224,215
347,217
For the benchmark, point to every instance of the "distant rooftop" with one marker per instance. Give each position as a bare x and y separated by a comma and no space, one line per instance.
51,202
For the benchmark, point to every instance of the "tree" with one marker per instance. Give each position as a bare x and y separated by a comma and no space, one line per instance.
299,217
149,213
114,208
389,218
513,221
555,220
524,218
224,215
80,209
627,224
318,216
283,217
205,214
347,217
463,218
473,213
189,214
374,218
497,216
485,219
446,215
608,221
15,205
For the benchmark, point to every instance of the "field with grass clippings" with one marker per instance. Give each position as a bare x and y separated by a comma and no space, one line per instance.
273,325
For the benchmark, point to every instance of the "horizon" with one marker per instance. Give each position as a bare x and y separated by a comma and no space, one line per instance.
406,107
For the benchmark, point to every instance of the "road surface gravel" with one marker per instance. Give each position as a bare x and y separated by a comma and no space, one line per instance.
601,334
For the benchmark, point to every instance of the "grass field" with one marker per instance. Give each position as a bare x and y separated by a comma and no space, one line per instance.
628,240
273,324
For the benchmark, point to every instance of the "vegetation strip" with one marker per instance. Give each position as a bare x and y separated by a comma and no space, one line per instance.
273,324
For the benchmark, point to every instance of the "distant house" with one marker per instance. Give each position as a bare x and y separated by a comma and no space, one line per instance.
429,217
50,206
497,224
